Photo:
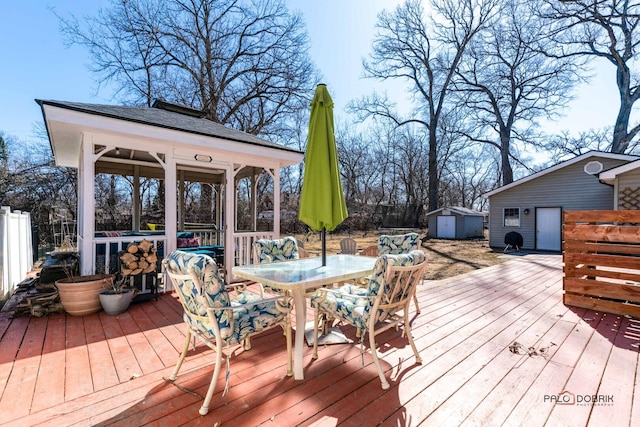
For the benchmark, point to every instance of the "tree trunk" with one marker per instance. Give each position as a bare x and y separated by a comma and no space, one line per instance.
620,136
433,167
505,145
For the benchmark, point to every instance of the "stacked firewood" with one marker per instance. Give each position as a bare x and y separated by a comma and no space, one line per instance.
139,258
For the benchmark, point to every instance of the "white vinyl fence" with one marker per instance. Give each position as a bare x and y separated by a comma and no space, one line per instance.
16,250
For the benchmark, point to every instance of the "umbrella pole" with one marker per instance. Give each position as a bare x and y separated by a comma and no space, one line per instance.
324,246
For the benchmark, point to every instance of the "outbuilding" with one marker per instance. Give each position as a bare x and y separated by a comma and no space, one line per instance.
455,223
533,206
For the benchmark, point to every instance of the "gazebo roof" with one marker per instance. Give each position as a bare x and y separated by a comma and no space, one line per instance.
64,128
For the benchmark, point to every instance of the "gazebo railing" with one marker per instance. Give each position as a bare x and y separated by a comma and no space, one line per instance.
209,237
105,250
243,242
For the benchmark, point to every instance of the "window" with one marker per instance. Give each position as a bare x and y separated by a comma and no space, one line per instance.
512,217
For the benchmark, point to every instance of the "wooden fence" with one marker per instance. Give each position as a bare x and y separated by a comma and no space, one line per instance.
602,260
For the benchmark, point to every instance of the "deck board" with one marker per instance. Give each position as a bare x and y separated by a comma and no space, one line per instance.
110,370
49,389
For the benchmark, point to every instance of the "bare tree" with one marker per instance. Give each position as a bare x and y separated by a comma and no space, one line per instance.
467,175
566,146
32,183
509,79
426,55
606,29
244,62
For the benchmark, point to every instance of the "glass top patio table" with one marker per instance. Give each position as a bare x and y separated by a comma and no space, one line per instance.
300,275
307,272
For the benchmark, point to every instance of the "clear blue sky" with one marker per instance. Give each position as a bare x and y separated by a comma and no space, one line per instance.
36,64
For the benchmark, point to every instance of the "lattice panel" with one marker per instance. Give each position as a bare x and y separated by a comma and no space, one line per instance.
629,198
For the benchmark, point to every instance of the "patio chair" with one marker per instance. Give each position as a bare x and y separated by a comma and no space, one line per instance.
300,243
370,251
383,305
348,246
302,253
216,317
400,244
266,251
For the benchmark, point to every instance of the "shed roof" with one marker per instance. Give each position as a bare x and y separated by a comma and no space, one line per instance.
558,166
457,209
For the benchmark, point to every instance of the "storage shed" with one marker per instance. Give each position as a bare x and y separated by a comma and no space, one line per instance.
455,223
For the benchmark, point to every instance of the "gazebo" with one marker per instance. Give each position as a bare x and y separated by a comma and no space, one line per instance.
174,145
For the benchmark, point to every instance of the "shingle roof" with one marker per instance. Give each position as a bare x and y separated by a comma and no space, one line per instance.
167,119
457,209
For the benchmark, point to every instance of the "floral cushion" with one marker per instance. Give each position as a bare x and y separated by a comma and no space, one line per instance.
255,318
352,303
401,244
236,324
268,251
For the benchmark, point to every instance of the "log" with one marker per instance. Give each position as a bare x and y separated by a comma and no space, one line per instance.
145,245
128,257
132,248
132,265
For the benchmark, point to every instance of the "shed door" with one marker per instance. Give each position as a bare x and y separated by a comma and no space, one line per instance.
549,229
446,227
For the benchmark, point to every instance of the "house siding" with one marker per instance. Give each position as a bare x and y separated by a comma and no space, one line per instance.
568,188
629,190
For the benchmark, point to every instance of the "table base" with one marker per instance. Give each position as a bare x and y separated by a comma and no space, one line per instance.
333,336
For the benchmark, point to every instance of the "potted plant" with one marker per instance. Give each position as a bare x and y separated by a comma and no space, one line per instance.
79,294
116,300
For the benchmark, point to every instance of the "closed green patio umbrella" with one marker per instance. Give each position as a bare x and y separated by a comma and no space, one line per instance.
322,205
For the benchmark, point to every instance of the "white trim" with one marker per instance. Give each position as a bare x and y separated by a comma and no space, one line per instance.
561,165
229,221
86,203
610,175
276,201
170,202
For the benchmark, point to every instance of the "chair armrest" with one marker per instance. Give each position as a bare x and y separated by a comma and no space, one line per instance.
239,286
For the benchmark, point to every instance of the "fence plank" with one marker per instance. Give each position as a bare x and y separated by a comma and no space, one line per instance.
602,305
602,216
605,233
601,247
619,291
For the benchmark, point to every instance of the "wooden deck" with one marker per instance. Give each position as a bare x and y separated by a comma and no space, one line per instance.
498,348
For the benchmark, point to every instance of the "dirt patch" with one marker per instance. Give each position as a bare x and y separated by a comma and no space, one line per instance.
447,258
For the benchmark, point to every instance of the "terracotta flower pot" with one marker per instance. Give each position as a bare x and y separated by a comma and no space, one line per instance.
79,295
